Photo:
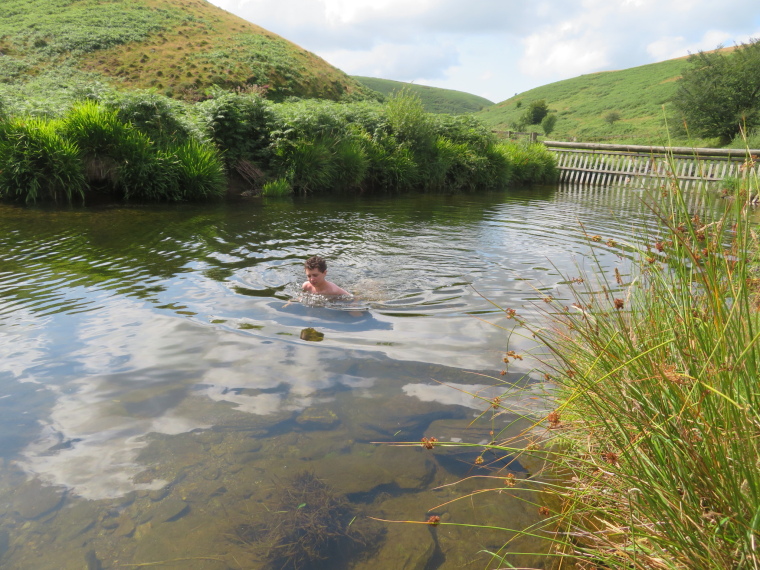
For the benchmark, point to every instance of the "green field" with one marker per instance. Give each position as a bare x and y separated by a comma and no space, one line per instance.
178,48
434,99
640,95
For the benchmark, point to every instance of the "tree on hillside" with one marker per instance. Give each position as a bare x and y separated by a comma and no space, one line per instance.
548,123
719,93
611,117
536,112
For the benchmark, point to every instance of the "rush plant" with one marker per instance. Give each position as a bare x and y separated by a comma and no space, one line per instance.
37,163
649,438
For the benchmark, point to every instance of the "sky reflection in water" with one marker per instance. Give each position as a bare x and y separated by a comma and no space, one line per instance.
165,320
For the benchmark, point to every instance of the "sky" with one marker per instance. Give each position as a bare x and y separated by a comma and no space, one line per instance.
498,48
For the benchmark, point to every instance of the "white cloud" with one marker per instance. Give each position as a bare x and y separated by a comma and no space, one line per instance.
403,62
452,44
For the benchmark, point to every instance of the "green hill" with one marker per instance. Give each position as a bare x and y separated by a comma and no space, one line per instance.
639,96
177,47
434,99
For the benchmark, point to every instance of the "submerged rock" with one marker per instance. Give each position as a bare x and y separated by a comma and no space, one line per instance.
372,468
312,335
33,500
170,510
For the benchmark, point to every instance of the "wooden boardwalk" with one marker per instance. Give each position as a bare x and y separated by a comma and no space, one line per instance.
641,166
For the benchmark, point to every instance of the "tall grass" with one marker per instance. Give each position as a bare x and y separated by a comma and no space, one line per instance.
93,149
37,163
659,400
652,435
530,162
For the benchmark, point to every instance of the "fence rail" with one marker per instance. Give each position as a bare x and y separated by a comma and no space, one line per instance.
634,165
511,135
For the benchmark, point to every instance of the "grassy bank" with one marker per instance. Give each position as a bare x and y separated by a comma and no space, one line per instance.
148,147
657,408
651,448
647,453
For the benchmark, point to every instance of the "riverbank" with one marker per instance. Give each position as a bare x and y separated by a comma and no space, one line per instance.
642,450
656,419
144,147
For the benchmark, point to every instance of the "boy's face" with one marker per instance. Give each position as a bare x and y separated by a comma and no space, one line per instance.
315,276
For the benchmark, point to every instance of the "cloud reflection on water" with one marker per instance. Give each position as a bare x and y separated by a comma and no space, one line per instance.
133,372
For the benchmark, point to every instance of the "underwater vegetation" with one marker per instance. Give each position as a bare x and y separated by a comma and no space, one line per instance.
308,525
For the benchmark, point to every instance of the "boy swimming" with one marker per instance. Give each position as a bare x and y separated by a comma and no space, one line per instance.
316,270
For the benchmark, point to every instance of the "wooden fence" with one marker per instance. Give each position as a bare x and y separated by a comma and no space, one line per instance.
632,165
511,135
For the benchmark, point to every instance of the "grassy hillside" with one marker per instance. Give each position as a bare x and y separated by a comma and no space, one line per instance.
639,95
434,99
177,47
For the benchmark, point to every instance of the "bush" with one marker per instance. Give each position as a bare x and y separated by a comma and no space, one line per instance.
548,123
164,120
536,112
239,125
37,163
390,167
96,130
717,93
611,117
309,165
410,124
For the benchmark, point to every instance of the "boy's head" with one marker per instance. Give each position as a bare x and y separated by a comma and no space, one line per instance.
317,263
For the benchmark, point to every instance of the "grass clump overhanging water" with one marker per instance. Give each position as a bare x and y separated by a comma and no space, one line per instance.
37,163
658,401
650,439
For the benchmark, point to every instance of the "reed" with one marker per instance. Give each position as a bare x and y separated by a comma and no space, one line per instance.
649,441
658,400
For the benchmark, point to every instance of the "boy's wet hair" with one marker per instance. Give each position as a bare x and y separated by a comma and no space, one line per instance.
316,262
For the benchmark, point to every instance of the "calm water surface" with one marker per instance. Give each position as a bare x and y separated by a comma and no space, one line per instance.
160,388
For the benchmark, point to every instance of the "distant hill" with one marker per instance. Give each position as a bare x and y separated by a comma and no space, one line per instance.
177,47
434,99
639,96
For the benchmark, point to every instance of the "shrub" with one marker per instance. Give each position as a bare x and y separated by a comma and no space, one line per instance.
239,124
309,165
142,172
611,117
96,130
410,123
164,120
37,163
390,167
351,164
536,112
548,123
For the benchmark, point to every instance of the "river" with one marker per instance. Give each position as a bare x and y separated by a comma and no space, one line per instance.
164,393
